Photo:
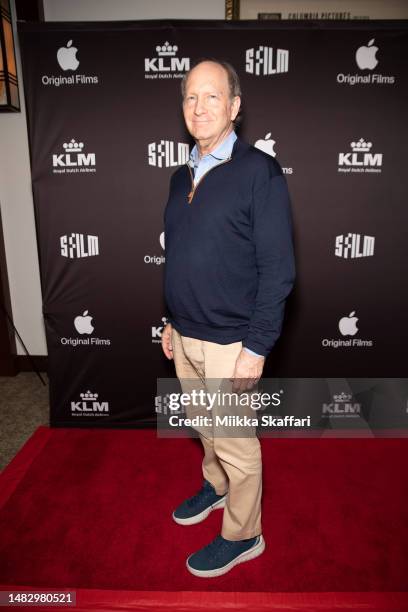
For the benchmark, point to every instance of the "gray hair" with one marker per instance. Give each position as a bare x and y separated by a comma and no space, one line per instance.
233,80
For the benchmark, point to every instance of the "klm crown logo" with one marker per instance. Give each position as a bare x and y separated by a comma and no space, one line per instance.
343,397
166,49
73,146
89,404
88,396
361,146
73,157
342,406
360,159
166,63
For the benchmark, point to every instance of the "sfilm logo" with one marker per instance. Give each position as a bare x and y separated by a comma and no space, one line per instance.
75,245
83,326
267,146
352,246
73,159
360,159
89,406
166,65
157,331
162,403
348,327
67,60
365,57
266,61
342,406
166,154
158,260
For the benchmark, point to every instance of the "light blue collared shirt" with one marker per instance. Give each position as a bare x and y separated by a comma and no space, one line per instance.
206,162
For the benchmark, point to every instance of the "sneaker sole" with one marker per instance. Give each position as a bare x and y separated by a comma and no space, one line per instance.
252,553
192,520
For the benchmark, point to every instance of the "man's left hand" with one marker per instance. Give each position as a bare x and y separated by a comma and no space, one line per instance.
248,370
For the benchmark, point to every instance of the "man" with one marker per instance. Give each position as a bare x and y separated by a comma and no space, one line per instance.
229,268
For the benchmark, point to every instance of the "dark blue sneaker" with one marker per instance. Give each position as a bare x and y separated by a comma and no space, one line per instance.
195,509
220,556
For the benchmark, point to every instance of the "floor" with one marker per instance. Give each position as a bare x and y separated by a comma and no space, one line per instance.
23,407
93,508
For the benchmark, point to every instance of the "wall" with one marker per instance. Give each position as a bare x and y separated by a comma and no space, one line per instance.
373,9
17,212
105,10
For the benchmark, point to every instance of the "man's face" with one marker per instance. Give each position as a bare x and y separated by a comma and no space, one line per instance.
207,107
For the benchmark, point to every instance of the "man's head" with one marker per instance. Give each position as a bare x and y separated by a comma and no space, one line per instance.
211,99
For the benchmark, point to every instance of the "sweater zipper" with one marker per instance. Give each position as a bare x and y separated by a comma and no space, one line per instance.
194,187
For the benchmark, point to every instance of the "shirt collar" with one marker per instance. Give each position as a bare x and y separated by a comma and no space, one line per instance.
223,151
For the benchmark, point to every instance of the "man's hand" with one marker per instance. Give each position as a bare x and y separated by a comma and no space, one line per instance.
166,341
248,370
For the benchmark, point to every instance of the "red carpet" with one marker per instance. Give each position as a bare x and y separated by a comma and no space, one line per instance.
90,510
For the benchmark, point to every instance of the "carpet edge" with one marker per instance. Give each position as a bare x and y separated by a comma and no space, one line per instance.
101,599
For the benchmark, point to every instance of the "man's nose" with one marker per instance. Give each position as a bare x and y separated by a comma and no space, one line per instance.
199,107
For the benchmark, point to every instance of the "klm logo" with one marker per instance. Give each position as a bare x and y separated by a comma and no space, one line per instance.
73,159
75,246
341,407
354,245
89,406
266,61
165,154
360,159
166,64
157,331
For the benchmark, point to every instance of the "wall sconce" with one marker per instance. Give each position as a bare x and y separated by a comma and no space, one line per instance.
9,96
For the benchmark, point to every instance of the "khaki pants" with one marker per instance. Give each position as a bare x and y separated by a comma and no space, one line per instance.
232,464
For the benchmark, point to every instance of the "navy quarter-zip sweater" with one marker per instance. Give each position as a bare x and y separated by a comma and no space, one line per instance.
229,251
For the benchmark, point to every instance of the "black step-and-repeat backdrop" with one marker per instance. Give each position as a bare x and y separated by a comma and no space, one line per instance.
328,99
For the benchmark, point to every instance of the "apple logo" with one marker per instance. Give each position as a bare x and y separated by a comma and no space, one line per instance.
161,240
266,145
66,57
83,323
365,56
347,325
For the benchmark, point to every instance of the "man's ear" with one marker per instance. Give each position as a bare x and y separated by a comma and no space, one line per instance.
235,106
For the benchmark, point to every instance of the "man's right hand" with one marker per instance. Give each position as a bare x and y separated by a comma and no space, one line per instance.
166,341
